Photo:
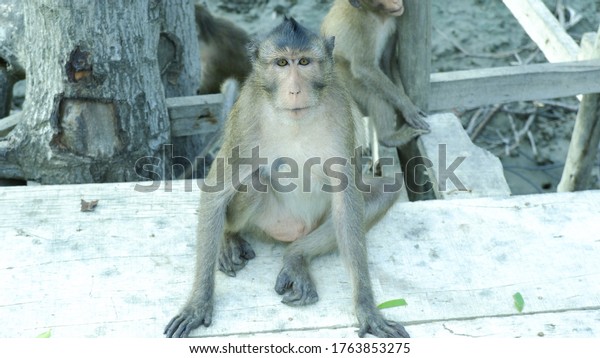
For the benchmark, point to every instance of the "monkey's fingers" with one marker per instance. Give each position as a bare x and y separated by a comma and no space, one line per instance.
418,122
382,328
177,327
296,287
402,136
415,118
189,319
235,253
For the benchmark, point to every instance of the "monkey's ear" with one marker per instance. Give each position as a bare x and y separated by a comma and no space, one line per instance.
355,3
329,45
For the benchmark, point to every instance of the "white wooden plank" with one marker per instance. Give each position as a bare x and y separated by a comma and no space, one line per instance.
544,29
125,269
479,173
474,88
572,324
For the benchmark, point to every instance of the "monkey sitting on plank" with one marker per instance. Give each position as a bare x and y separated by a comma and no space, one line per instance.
294,120
223,51
365,54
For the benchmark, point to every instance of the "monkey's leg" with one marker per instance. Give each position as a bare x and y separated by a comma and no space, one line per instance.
234,254
294,281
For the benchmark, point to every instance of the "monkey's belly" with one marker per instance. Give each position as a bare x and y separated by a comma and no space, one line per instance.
292,216
286,229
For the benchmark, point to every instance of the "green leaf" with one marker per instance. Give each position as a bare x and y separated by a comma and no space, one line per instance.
393,303
46,334
519,301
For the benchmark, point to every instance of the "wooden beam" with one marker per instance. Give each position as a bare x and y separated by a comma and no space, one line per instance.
414,46
125,269
457,168
583,148
194,114
474,88
544,29
8,123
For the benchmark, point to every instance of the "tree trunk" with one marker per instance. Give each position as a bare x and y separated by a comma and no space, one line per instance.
94,108
179,61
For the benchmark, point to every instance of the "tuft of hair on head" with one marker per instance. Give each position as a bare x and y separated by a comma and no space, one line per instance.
355,3
290,35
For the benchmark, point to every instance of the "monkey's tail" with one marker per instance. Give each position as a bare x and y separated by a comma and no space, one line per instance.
231,91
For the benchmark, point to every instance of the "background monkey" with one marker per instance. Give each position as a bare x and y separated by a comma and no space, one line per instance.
292,111
223,51
366,54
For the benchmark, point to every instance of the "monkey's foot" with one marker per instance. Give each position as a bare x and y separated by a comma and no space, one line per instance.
234,254
374,323
188,319
295,284
402,136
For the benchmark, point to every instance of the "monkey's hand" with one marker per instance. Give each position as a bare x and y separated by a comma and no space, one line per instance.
295,284
191,317
402,136
234,254
372,321
414,116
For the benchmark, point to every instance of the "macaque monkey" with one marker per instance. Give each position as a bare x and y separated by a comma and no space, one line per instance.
223,51
296,120
365,54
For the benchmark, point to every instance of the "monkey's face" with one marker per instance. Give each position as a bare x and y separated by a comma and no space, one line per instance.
386,7
294,80
293,65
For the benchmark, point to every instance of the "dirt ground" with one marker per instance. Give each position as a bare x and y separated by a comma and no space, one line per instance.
472,34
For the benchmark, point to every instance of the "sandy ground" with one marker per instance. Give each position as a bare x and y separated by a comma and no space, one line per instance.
471,34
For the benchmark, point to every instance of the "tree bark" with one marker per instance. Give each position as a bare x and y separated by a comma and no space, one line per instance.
179,62
95,109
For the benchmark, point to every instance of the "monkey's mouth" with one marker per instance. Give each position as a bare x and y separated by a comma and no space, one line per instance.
399,11
297,111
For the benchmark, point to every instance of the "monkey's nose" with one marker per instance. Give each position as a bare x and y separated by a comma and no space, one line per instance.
295,92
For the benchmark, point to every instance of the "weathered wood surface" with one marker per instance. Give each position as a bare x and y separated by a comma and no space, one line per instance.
583,148
8,123
126,268
474,88
457,168
414,48
194,114
544,29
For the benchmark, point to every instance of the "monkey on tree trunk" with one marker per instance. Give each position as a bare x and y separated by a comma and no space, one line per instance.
366,34
222,51
294,120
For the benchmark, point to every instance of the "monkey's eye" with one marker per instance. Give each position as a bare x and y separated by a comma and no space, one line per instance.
304,61
282,62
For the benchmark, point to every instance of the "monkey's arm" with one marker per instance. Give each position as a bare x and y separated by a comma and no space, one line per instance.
366,70
211,226
221,184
